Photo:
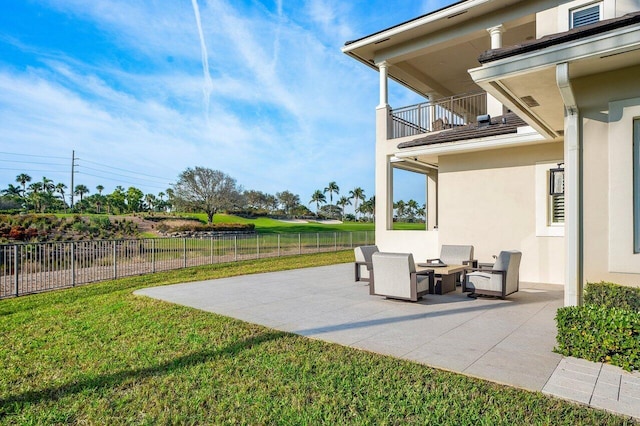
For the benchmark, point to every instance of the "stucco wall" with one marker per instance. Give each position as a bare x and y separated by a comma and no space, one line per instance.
556,20
607,113
488,199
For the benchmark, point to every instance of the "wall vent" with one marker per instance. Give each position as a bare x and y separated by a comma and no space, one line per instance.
529,101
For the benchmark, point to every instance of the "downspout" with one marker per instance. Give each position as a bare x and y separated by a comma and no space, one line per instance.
573,190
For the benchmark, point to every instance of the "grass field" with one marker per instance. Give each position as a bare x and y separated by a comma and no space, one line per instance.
100,355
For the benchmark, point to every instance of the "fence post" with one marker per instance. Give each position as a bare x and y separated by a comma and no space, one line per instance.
211,251
278,245
15,269
350,239
184,252
318,242
235,248
73,264
153,255
115,260
257,246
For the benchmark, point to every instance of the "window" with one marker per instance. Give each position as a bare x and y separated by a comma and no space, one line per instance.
556,206
585,15
556,195
636,185
549,207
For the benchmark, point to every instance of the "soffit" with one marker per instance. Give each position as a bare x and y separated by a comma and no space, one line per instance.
534,74
432,56
541,88
443,69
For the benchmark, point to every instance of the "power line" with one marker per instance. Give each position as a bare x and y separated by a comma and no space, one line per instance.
33,170
124,170
32,162
31,155
122,181
116,174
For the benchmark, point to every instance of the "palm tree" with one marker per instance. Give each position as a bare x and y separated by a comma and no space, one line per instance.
333,187
357,194
318,197
150,201
34,195
99,188
369,207
400,207
80,191
60,189
342,202
413,207
22,179
47,185
12,191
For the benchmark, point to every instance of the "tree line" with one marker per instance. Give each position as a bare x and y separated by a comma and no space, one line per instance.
197,189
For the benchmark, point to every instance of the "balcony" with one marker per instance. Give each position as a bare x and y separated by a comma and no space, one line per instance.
444,113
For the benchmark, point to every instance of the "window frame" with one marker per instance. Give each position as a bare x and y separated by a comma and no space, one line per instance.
636,184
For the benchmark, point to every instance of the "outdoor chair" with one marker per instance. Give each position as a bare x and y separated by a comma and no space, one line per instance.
363,263
456,255
501,280
395,277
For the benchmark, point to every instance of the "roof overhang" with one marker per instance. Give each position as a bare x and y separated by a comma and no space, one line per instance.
419,52
527,82
525,136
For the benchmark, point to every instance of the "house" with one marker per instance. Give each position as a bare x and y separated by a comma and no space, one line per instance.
528,138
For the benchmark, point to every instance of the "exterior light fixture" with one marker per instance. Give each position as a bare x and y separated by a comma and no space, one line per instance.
556,180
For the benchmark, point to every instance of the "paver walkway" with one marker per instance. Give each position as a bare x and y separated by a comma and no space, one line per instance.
506,341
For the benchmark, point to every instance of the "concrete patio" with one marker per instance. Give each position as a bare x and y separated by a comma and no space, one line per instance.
506,341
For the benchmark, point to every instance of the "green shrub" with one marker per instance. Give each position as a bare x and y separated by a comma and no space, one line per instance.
600,334
612,295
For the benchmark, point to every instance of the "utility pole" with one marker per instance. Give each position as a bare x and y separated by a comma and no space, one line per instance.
73,164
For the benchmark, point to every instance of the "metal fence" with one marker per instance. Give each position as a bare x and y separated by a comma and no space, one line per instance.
441,114
37,267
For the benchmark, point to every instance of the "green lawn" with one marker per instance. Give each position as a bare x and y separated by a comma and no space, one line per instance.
100,355
271,226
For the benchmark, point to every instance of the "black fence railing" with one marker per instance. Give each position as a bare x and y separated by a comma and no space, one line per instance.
36,267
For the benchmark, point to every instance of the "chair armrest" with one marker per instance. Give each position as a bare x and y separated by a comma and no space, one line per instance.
473,263
486,271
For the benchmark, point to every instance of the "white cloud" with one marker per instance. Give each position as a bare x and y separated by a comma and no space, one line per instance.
288,110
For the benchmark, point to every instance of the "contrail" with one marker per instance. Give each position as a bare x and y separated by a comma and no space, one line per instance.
276,40
208,84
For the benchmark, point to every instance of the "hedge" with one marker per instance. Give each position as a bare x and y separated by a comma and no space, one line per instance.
613,296
605,329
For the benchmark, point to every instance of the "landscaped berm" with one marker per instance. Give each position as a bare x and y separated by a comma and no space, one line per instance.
100,355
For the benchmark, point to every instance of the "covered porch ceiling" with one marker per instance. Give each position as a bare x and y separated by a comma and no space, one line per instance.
527,82
431,54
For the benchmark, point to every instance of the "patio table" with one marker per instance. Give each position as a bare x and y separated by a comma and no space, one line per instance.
446,274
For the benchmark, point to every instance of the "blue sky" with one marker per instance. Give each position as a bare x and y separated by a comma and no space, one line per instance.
122,83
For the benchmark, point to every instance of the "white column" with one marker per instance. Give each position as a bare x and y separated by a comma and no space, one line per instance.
384,89
573,190
496,36
430,116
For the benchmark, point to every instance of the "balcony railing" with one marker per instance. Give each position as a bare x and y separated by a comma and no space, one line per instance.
444,113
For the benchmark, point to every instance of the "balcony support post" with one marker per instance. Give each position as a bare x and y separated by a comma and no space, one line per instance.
384,89
496,36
